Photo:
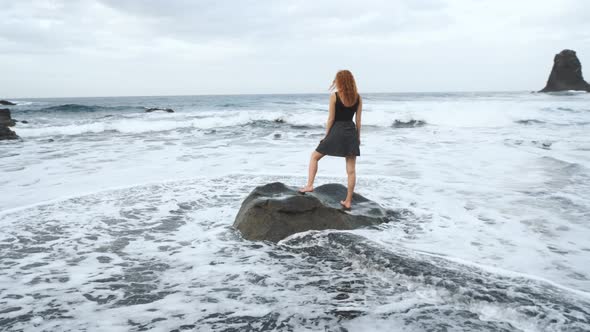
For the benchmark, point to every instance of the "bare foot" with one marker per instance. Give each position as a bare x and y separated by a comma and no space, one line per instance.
346,204
306,189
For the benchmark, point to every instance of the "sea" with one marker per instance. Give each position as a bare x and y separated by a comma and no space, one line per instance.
116,219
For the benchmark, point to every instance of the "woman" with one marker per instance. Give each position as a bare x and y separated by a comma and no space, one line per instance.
342,136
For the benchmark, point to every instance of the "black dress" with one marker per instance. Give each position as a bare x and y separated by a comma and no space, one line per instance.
342,139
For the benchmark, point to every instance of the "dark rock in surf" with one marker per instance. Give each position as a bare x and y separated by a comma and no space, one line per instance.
279,120
5,118
408,124
7,103
5,122
275,211
24,121
6,133
155,109
566,74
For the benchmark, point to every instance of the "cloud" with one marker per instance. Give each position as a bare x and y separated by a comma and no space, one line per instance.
283,46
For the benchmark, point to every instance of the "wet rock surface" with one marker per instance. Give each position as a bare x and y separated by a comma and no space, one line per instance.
408,124
5,122
275,211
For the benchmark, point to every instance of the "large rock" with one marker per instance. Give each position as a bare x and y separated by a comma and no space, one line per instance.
6,103
566,74
5,118
274,211
5,122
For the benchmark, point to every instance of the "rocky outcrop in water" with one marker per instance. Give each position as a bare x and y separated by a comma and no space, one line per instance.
6,133
5,118
408,124
566,74
274,211
156,109
7,103
5,122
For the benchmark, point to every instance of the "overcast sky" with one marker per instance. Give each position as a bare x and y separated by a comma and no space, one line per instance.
179,47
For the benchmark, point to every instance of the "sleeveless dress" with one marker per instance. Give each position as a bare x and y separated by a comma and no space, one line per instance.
342,139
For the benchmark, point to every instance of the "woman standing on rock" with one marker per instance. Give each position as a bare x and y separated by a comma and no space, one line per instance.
342,135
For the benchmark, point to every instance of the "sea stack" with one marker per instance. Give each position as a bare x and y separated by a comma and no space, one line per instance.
5,122
566,74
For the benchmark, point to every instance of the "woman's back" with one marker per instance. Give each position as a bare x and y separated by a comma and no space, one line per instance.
343,112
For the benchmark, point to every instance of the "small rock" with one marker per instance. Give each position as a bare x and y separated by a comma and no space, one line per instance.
155,109
7,103
408,124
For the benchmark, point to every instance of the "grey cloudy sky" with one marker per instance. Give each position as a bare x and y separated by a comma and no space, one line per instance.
155,47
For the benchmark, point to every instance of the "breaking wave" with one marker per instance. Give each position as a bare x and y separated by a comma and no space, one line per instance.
79,108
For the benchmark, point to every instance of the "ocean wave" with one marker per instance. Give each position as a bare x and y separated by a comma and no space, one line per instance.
529,121
566,93
138,126
23,102
72,108
79,108
132,119
230,105
279,122
209,120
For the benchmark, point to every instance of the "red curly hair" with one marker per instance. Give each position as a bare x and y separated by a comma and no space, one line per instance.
346,86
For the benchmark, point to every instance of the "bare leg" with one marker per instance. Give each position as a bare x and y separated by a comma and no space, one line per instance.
313,169
351,173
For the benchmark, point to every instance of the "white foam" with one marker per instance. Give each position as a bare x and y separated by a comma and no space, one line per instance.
482,192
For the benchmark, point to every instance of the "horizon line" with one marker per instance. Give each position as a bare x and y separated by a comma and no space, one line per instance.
264,94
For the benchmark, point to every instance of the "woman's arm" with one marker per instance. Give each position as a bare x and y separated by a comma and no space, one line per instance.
358,119
332,113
